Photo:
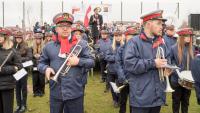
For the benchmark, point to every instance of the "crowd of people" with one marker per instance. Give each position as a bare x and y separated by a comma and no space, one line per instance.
141,59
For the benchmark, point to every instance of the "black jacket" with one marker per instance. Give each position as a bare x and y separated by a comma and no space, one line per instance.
95,31
7,80
24,51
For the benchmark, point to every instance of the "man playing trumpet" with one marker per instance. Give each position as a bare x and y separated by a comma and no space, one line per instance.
66,95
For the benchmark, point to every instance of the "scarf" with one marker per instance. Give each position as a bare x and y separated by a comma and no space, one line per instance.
65,44
156,43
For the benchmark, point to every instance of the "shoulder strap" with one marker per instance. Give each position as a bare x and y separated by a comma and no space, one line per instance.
6,59
188,61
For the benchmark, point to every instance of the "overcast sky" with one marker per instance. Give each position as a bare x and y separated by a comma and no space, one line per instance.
131,9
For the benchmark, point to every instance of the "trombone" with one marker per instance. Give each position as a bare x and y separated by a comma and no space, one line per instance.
64,69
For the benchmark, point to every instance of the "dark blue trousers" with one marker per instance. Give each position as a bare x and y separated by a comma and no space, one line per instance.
113,78
67,106
145,110
103,68
180,98
123,97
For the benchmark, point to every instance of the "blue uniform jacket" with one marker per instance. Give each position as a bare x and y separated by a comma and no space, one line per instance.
174,59
104,45
110,58
169,41
146,89
196,75
85,37
71,85
120,64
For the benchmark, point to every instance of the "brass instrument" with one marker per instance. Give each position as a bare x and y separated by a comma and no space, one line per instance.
93,54
90,45
64,69
160,54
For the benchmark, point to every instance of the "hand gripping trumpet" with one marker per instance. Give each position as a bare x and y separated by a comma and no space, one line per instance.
64,69
160,54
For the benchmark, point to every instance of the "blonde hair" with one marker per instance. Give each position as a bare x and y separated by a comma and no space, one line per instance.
37,48
114,42
181,46
8,43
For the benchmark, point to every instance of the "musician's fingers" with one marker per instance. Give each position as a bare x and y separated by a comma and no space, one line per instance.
74,56
168,72
164,60
68,63
52,71
47,76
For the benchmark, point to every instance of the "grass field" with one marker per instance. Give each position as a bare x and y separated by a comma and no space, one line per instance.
96,101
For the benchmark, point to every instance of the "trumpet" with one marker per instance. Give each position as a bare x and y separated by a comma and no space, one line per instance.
64,69
160,54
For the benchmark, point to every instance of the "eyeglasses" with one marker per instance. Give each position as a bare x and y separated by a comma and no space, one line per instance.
64,26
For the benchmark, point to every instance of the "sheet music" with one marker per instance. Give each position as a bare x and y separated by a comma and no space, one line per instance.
27,63
21,73
114,86
35,69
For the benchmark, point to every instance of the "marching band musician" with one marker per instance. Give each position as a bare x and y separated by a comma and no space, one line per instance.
104,44
78,30
195,66
12,65
38,78
122,80
181,55
141,65
169,36
84,31
21,85
66,95
96,22
195,70
110,57
47,37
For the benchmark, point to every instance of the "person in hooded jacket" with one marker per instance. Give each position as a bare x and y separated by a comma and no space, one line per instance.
11,66
130,32
118,41
21,86
169,36
142,66
181,55
195,66
37,77
67,92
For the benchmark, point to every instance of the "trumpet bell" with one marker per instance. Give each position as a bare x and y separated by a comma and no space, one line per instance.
169,90
168,87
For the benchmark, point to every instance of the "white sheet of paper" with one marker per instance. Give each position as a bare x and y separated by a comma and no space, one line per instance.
114,86
27,63
21,73
35,69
